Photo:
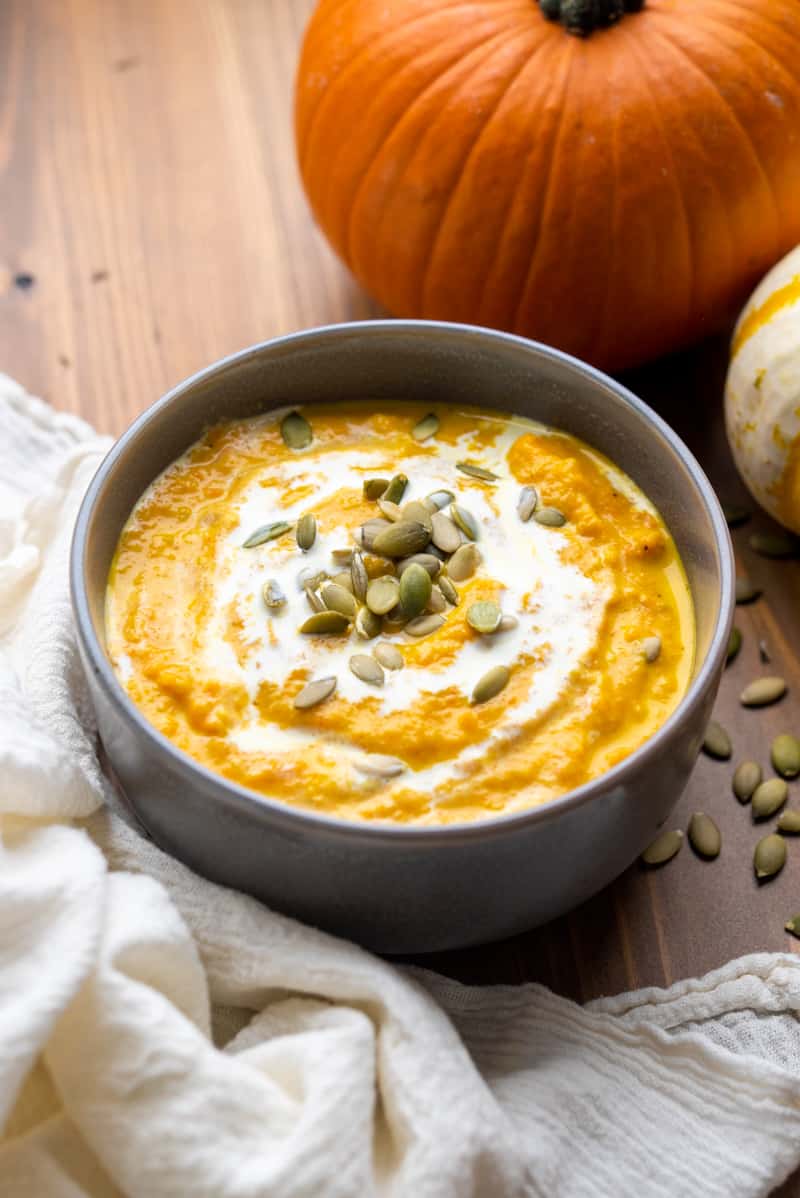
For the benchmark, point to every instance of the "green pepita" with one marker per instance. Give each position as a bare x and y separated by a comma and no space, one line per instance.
550,517
359,579
396,489
704,835
390,510
746,778
663,848
367,624
426,560
651,648
367,669
464,563
448,590
444,533
785,755
267,532
526,504
789,822
325,623
338,599
746,591
306,532
491,684
793,925
383,594
375,488
388,655
465,521
769,797
734,645
272,594
716,742
427,427
415,590
425,625
296,431
774,544
486,476
401,539
314,693
735,515
484,616
762,692
769,856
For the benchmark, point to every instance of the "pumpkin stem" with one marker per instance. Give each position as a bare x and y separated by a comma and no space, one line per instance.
582,17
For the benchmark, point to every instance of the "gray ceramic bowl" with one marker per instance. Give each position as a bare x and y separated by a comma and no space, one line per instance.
402,890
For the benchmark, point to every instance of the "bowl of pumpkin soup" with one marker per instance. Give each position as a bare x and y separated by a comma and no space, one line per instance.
411,630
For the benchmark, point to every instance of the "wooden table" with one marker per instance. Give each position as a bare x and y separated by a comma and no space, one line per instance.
152,220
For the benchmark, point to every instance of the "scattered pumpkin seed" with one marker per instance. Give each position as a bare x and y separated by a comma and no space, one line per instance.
526,504
550,517
343,579
416,510
491,684
388,655
367,625
762,692
448,590
704,835
314,692
769,856
383,594
789,822
439,499
486,476
415,590
369,530
663,848
425,625
272,593
651,648
444,533
296,431
396,489
735,515
465,521
314,601
437,601
375,488
342,557
427,427
746,778
484,616
338,599
359,579
785,755
774,544
267,532
734,645
401,539
378,766
325,623
763,652
769,797
367,669
746,592
464,563
310,576
306,532
390,510
508,624
716,742
426,560
793,925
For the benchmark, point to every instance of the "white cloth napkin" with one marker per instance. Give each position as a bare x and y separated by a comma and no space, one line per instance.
161,1036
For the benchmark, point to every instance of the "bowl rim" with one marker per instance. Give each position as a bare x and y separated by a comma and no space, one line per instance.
294,819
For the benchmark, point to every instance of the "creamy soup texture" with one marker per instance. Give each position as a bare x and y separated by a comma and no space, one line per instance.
209,602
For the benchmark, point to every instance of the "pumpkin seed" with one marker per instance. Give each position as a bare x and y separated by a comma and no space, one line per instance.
437,601
716,742
390,510
367,669
769,856
439,499
663,848
314,601
306,532
388,655
508,624
369,530
310,576
338,599
774,544
746,592
465,521
426,560
296,431
763,652
527,502
376,566
375,488
769,797
793,925
444,533
396,489
425,625
651,648
427,427
746,778
378,766
359,579
734,645
550,517
786,755
267,532
314,693
448,590
735,515
789,822
367,625
491,684
484,616
383,594
762,692
486,476
342,557
464,563
415,590
325,623
704,835
272,593
415,510
344,580
401,539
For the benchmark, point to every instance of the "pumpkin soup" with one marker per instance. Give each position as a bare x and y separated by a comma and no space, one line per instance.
391,613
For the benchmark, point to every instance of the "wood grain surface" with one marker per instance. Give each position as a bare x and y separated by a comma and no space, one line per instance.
151,220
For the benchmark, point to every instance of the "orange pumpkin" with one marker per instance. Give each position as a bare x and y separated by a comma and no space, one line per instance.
616,195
